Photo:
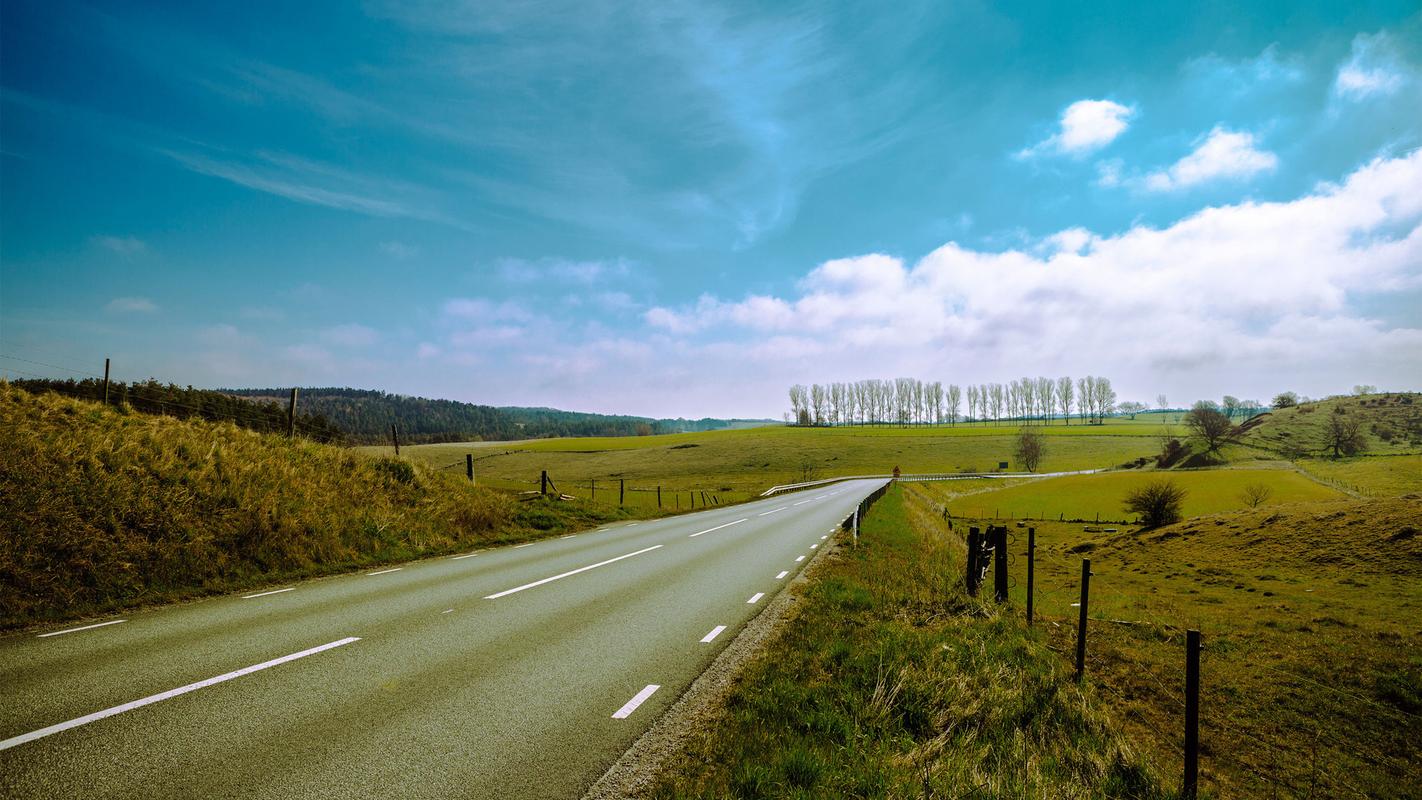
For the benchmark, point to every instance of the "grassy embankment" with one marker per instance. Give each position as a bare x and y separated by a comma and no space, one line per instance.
739,464
103,509
890,682
1312,670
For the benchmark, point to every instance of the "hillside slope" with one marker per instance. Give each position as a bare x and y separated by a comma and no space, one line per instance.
1391,425
102,508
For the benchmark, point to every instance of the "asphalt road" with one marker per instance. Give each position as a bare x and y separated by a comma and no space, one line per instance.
514,672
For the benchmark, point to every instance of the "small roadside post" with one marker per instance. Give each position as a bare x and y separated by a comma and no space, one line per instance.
106,381
1081,620
1190,787
469,466
1031,555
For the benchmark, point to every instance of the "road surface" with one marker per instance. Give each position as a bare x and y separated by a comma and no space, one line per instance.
515,672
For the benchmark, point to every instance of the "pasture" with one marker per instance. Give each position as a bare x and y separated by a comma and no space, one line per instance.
1091,497
1312,679
744,462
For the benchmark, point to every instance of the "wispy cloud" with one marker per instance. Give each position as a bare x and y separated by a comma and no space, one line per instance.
1085,127
350,335
123,245
307,181
132,305
399,250
1373,70
1221,154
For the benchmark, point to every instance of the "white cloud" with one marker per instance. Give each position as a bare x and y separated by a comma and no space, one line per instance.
350,335
1222,154
1085,126
132,305
1373,69
1246,298
562,271
123,245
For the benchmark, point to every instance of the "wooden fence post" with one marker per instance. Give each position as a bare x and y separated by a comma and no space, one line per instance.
1031,556
1192,715
543,482
971,580
395,437
1081,620
106,381
291,415
592,483
469,466
659,497
999,572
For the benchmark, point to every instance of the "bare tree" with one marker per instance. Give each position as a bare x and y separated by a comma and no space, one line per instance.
955,399
1255,494
1064,396
1132,407
1046,397
1285,400
1231,406
818,403
1344,434
799,403
1210,425
1083,393
1031,447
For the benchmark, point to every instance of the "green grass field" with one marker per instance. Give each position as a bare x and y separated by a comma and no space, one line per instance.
1372,476
1101,496
890,682
1312,675
744,462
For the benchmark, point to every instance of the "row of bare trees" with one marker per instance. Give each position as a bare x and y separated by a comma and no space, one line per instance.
909,401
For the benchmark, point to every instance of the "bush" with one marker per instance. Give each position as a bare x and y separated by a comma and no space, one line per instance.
1030,449
1157,502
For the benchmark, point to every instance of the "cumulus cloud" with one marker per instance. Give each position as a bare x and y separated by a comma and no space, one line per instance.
1221,154
132,305
1253,295
1372,70
1085,127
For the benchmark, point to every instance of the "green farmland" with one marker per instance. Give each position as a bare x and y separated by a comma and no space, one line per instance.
1093,496
742,462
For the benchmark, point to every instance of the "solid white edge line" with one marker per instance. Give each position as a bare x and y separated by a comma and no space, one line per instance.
717,528
154,698
637,700
384,571
76,630
755,598
264,594
506,592
782,574
716,631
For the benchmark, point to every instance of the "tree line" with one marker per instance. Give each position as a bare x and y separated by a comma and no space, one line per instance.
910,401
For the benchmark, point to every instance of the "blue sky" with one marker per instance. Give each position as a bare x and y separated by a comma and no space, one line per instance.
681,209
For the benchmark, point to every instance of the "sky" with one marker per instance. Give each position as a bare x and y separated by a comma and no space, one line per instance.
680,209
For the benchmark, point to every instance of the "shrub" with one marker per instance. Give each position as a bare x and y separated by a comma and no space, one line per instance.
1030,449
1157,502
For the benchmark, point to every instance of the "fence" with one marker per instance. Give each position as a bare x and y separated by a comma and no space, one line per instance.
1238,755
610,491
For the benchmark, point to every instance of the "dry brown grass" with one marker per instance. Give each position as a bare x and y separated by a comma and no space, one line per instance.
101,509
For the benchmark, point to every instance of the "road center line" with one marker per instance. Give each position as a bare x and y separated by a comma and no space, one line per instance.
264,594
772,511
384,571
151,699
84,628
782,574
637,700
755,598
716,631
802,502
570,572
717,528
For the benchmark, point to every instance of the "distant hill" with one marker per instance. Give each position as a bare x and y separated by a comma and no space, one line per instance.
365,416
1391,424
